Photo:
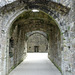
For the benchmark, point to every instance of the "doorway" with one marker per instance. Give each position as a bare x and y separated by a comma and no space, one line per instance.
36,48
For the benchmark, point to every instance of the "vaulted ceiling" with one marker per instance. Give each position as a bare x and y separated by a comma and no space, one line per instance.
31,21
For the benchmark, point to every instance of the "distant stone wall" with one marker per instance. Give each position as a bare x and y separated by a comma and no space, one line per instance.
37,40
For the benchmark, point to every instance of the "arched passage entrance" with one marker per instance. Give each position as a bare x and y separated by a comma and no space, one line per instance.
29,21
37,42
10,12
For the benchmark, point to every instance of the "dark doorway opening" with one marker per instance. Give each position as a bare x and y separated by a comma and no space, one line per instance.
36,48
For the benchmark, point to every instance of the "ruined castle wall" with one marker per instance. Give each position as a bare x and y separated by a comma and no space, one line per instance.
66,23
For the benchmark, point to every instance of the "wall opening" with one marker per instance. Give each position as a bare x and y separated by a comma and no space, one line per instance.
37,42
27,22
36,48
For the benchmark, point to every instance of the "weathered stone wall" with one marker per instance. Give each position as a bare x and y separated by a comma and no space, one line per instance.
69,27
55,46
66,23
17,51
72,37
37,40
5,2
64,2
0,49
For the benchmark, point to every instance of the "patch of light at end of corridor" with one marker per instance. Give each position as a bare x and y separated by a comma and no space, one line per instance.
36,56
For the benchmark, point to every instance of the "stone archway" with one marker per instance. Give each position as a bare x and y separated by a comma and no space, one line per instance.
50,32
37,41
6,24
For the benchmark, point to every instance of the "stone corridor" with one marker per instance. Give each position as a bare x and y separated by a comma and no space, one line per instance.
37,26
36,64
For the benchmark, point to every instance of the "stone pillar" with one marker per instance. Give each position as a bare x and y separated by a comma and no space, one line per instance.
4,52
7,55
66,66
0,50
72,41
66,53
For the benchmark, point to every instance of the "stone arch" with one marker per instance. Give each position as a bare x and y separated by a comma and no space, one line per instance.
64,21
9,23
37,39
11,20
34,32
18,13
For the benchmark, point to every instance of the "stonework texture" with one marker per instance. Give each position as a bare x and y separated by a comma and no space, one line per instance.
57,21
37,43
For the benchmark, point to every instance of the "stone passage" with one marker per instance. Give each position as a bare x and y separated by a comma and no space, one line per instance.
36,64
37,43
35,32
22,19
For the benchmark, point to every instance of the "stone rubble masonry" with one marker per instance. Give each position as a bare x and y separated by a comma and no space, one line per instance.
65,23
